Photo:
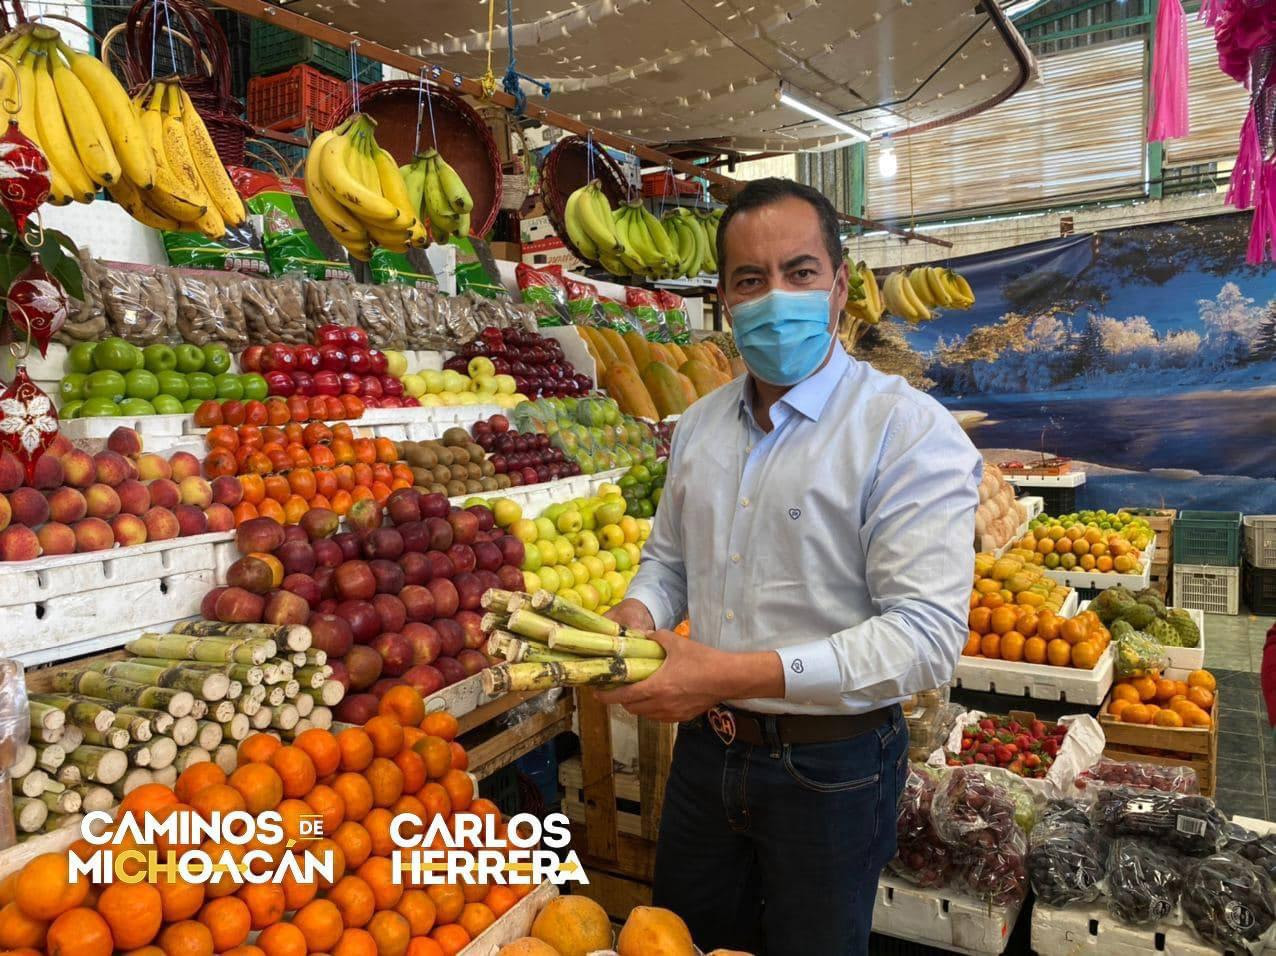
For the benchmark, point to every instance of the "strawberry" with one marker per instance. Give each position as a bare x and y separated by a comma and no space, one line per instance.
1032,761
1038,729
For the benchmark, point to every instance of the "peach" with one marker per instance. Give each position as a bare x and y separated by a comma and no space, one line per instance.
112,467
220,518
29,507
161,524
190,520
184,465
78,468
59,447
103,502
12,474
56,538
164,493
135,497
18,543
151,466
66,505
47,474
93,534
227,491
195,491
6,513
128,529
125,441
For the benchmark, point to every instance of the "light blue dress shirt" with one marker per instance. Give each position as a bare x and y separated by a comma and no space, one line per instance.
842,538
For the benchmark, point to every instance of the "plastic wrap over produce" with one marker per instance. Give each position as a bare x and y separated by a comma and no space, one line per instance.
86,321
210,308
330,302
141,303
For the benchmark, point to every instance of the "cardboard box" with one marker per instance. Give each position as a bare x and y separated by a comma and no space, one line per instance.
550,252
535,228
509,251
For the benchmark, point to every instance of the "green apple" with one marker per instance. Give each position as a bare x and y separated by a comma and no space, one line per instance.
548,553
545,530
505,384
479,365
228,386
396,363
79,357
139,383
617,583
622,558
190,405
611,536
434,381
485,385
454,381
525,530
506,512
70,410
72,387
635,555
200,385
139,360
114,354
610,511
594,564
608,559
531,582
174,383
159,358
570,594
104,383
588,543
565,550
216,358
98,408
579,572
414,385
168,405
255,387
549,579
532,559
190,358
136,406
603,589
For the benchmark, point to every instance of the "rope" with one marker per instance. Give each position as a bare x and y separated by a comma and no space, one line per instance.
510,83
355,98
488,82
589,154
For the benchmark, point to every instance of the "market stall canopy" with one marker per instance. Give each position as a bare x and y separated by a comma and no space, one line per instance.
709,70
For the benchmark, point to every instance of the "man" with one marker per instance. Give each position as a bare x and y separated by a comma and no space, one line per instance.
816,523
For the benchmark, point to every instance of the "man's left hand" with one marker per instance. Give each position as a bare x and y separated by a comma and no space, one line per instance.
682,688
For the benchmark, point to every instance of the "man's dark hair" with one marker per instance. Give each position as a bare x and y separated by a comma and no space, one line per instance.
764,192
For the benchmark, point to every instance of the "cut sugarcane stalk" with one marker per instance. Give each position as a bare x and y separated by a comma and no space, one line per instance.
511,648
235,690
80,710
518,601
330,694
236,728
199,709
296,660
207,686
138,728
92,683
59,821
210,734
496,599
270,673
29,813
137,777
100,764
42,735
285,671
304,704
291,689
293,637
32,784
582,619
284,717
45,716
300,728
69,774
505,678
49,757
227,758
493,622
24,763
221,711
212,650
321,717
72,737
112,737
189,756
598,645
165,776
249,706
65,801
531,626
183,731
160,720
276,696
316,657
312,676
163,752
261,719
250,675
94,797
139,755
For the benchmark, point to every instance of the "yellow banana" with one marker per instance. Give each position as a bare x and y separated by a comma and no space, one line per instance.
395,240
335,169
919,311
336,218
130,198
443,222
963,289
392,185
595,218
54,138
916,279
453,187
88,132
938,289
575,231
121,122
212,173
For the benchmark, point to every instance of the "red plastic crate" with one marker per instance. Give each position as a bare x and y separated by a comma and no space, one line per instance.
288,101
661,184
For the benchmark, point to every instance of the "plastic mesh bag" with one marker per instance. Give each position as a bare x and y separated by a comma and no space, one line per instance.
1144,882
1066,862
1188,823
1229,902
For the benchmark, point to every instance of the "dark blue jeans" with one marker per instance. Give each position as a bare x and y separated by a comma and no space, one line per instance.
777,851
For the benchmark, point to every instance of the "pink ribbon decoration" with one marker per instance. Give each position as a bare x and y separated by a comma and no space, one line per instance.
1168,119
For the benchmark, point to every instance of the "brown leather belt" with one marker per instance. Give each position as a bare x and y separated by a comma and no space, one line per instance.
761,730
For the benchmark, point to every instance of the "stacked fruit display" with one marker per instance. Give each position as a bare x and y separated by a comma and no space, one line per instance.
1089,540
80,502
338,363
1037,635
1027,749
591,432
1163,702
115,377
522,459
456,466
285,471
998,517
1013,580
654,380
535,363
279,411
642,486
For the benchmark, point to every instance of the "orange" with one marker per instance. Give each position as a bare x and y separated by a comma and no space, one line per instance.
448,902
296,770
418,909
992,601
1003,620
990,646
1136,714
377,823
436,800
451,939
283,939
228,920
475,918
43,891
320,921
460,789
379,875
403,704
297,893
82,932
329,804
1059,653
192,780
979,620
356,793
1203,679
265,902
1165,689
1084,655
1118,707
973,644
356,749
1125,692
1180,688
1027,622
1197,718
385,778
412,768
355,842
1073,630
1034,650
1012,643
1167,718
1048,625
436,755
391,932
386,734
1201,697
355,942
217,798
187,938
500,899
179,900
355,899
148,798
259,785
1146,687
460,759
257,748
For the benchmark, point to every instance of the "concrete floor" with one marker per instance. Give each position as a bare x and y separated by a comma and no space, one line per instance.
1246,743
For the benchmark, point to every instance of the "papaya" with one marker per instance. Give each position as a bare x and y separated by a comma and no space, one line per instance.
573,926
592,345
623,384
618,345
679,356
660,353
718,356
703,378
666,389
688,390
638,348
652,931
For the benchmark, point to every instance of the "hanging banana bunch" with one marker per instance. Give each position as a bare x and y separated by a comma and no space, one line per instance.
438,195
913,294
864,299
358,192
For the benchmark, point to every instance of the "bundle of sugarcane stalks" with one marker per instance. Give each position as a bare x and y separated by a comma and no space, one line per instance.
544,641
106,727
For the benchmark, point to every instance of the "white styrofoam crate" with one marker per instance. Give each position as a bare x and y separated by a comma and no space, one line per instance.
941,918
156,430
1073,479
1039,681
460,698
1078,578
1032,506
1214,590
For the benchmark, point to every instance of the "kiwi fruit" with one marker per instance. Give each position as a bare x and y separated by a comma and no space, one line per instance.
423,476
488,484
442,473
474,470
437,489
488,469
455,488
503,482
456,436
476,452
444,455
472,485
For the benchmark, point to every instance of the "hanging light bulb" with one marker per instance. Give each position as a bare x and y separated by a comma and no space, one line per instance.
887,163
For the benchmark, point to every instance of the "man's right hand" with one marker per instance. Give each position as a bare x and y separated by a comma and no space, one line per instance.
632,614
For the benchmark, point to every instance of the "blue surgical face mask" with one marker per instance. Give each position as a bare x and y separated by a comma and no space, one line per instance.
783,336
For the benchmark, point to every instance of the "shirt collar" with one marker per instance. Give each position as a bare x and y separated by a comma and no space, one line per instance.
809,396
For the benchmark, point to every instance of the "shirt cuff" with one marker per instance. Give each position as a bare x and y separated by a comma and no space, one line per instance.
811,673
654,601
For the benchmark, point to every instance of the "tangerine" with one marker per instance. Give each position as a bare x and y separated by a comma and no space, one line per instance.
1034,650
1203,679
1136,714
990,646
1012,644
1059,652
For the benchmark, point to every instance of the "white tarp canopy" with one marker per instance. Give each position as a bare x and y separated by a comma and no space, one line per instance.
667,71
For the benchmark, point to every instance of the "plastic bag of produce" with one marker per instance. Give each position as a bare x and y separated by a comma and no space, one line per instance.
582,303
1188,823
674,310
329,302
921,857
401,268
997,873
273,206
1144,882
275,310
381,315
1147,776
972,811
140,303
476,270
210,308
1067,862
1137,653
546,292
646,308
86,319
1229,903
615,315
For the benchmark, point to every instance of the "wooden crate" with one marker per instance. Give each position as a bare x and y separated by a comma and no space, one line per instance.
1195,747
1162,522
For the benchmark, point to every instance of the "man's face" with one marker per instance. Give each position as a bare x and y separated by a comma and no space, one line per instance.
779,246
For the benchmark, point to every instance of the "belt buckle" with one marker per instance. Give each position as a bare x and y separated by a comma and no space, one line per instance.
722,721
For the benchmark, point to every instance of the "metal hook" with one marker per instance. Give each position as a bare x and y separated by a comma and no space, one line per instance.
19,350
17,89
38,238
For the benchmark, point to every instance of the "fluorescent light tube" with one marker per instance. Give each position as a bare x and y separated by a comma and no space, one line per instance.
825,118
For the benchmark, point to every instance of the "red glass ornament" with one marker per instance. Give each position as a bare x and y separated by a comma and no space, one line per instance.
37,304
28,420
24,175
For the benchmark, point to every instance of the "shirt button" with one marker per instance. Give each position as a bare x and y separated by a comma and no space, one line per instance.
735,559
744,502
730,615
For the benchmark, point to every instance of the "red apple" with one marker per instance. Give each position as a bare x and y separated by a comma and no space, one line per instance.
297,557
424,679
327,552
415,567
472,624
332,358
278,357
440,566
451,669
388,575
403,506
414,534
395,651
307,358
434,505
452,636
510,578
250,358
327,383
425,641
383,543
465,526
391,610
418,602
349,543
487,556
472,660
330,332
280,383
446,598
440,531
358,709
364,665
285,607
469,591
355,581
305,587
462,557
364,621
208,606
331,634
